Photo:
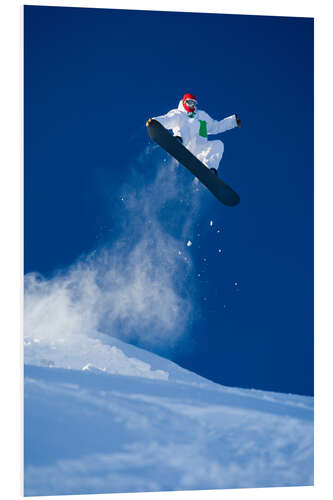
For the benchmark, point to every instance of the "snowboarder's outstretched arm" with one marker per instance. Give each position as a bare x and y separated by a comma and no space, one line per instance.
170,120
219,126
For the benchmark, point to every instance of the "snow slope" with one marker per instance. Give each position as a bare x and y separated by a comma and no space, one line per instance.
109,417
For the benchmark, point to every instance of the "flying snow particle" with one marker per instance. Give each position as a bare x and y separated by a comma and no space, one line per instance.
189,243
211,223
220,250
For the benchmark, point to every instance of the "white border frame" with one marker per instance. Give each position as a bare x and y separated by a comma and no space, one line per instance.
11,196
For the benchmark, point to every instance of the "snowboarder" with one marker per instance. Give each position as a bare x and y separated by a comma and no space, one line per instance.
191,126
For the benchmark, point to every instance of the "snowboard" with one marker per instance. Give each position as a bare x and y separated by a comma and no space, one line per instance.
175,148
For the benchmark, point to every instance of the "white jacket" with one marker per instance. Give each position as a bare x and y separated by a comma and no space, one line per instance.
194,127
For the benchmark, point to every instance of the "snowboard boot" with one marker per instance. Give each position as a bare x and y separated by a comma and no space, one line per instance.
178,138
213,170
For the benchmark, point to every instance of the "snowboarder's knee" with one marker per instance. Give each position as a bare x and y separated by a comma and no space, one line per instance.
219,146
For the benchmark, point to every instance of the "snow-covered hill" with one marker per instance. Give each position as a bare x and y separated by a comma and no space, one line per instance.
109,417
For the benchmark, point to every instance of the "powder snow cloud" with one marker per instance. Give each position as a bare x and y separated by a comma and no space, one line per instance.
139,287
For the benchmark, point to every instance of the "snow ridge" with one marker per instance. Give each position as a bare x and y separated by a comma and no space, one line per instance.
116,418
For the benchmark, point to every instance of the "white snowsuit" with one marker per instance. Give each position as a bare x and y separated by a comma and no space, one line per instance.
194,128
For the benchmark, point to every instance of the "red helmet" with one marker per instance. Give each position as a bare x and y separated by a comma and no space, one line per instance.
189,102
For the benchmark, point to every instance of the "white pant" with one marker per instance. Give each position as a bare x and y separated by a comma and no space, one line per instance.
208,152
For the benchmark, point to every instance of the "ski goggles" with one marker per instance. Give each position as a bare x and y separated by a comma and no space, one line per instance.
191,103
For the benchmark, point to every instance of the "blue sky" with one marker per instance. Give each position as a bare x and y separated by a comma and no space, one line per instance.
92,78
